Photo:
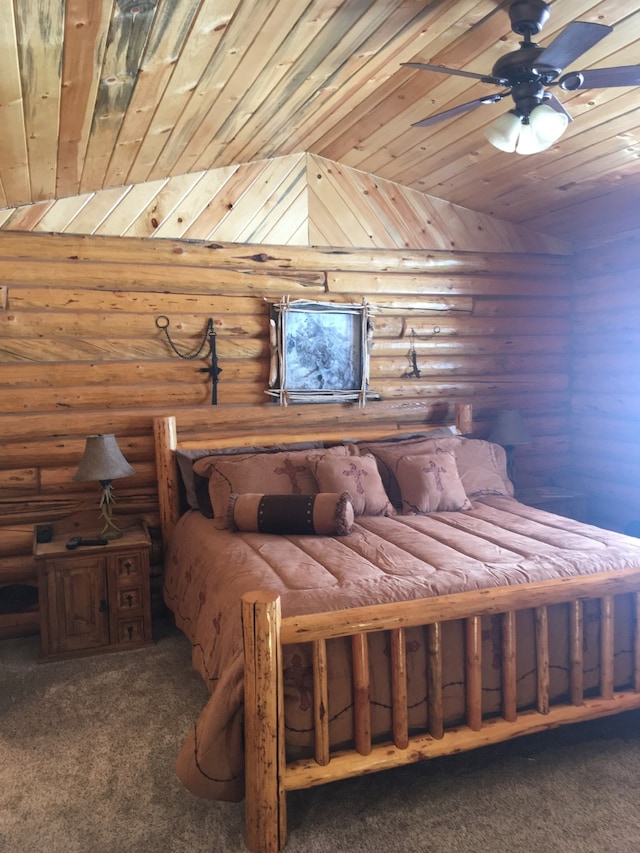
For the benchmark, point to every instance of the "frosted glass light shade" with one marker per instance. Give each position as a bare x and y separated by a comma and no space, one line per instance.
547,124
544,126
504,131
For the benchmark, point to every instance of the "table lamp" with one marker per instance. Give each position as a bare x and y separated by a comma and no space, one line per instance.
509,431
103,461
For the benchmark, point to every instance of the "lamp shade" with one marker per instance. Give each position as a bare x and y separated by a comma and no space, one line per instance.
504,131
527,135
508,429
102,460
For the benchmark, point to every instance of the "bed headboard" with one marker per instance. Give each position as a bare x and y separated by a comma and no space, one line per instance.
245,426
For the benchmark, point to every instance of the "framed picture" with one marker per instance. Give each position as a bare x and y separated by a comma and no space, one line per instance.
319,352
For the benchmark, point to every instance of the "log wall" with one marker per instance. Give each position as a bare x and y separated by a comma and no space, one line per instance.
80,353
605,394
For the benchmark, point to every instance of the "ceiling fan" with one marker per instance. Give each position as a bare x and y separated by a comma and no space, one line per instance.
538,118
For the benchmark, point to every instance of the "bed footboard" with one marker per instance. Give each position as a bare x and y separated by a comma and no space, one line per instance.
268,774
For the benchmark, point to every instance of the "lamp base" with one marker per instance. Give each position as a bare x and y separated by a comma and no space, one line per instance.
108,533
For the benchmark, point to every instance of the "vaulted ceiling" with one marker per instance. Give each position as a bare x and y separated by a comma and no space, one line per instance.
104,93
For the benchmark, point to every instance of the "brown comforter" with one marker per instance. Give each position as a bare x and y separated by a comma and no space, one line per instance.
498,542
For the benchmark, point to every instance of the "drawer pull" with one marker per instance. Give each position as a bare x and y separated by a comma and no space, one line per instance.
104,606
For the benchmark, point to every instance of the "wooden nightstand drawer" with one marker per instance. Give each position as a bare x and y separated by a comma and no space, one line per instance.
130,598
129,568
131,631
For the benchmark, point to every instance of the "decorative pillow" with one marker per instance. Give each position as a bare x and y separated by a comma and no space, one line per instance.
322,514
387,454
430,483
196,486
285,473
357,475
482,466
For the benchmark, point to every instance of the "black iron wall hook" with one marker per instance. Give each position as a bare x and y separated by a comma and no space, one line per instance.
163,322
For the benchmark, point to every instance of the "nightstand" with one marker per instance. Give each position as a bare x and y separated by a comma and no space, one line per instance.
95,598
555,499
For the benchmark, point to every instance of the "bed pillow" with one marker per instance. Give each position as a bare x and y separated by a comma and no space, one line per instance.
357,475
285,473
387,454
483,468
195,486
322,514
430,483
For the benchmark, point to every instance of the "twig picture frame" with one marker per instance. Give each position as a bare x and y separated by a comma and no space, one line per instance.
319,351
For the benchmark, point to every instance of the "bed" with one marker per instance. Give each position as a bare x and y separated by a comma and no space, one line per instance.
343,631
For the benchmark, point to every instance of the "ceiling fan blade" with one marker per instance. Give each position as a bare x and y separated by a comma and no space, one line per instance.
442,69
601,78
572,42
461,108
556,105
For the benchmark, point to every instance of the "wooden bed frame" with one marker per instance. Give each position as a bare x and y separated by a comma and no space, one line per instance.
268,774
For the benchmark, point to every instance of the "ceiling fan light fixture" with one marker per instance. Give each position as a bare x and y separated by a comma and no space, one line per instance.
503,133
511,132
548,124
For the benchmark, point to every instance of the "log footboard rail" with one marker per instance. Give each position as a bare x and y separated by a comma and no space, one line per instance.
268,774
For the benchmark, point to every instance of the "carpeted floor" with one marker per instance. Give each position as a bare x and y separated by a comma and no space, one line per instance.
86,766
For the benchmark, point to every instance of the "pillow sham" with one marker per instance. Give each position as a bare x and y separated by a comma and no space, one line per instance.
387,454
483,468
357,475
430,482
285,473
196,485
323,514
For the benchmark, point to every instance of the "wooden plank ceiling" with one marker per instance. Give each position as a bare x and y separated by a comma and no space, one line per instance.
99,94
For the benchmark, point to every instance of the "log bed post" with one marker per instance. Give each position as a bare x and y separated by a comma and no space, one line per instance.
266,805
165,442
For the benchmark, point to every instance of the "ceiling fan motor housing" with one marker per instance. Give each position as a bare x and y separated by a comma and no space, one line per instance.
528,17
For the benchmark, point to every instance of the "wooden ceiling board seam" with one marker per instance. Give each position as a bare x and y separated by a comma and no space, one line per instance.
242,220
289,180
366,78
293,132
128,34
330,177
162,205
192,204
559,194
238,35
168,35
61,213
14,158
28,216
391,209
86,28
349,31
201,44
324,229
130,208
97,208
226,200
237,99
330,183
281,231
